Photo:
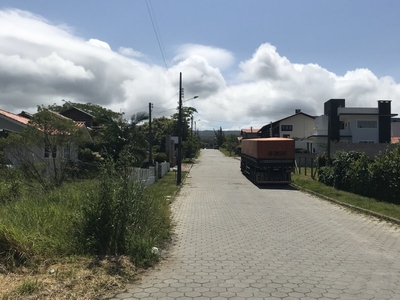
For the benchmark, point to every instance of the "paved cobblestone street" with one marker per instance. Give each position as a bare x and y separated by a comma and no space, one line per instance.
237,241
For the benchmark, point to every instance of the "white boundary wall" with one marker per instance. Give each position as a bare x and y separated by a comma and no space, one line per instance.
149,176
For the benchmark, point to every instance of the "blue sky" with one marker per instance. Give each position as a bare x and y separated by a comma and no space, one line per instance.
251,62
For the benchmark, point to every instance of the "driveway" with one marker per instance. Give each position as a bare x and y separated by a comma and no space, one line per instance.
234,240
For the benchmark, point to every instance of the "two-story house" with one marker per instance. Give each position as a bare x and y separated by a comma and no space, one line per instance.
352,124
296,126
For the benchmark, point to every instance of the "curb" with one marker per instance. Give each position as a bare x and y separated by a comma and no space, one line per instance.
355,208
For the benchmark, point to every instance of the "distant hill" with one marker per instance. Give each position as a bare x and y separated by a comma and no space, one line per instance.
210,133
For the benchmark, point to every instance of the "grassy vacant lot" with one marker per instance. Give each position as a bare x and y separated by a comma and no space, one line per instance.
41,259
383,208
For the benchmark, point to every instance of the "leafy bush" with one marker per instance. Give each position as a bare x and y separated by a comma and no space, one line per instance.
322,159
359,176
385,171
326,175
353,172
160,157
342,162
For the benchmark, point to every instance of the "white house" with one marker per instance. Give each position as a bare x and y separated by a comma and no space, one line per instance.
352,124
297,126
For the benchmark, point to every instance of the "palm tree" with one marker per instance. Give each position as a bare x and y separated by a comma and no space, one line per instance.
121,136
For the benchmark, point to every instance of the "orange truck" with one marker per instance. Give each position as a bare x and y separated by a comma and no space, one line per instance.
268,160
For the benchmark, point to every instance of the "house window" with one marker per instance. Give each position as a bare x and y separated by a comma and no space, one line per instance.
286,127
341,125
367,124
50,151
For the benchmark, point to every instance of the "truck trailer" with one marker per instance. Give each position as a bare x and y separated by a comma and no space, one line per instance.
268,160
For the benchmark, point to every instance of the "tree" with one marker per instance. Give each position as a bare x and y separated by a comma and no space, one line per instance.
187,113
160,127
95,110
46,148
119,135
231,142
219,137
191,146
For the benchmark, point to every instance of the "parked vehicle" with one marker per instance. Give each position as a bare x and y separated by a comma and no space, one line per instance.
268,160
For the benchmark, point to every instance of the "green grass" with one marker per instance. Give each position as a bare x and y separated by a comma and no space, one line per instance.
29,287
384,208
165,187
226,152
41,224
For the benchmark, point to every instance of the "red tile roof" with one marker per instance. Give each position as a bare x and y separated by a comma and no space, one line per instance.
14,117
250,130
395,139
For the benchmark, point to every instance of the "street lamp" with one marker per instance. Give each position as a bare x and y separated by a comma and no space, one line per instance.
179,158
195,127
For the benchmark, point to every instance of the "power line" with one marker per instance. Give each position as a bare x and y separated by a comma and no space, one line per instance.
158,36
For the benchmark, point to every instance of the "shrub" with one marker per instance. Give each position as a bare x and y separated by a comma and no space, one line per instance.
385,172
341,163
322,159
326,175
160,157
359,176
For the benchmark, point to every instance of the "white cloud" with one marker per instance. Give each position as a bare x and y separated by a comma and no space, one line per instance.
216,57
42,63
98,43
129,52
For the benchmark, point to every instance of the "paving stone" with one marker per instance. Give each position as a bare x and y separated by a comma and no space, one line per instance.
234,240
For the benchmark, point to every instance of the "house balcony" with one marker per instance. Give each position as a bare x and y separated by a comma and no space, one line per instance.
324,132
319,132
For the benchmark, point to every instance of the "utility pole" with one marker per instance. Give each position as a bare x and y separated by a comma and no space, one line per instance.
191,126
179,158
150,137
328,150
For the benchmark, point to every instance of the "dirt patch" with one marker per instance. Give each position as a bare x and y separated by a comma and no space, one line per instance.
73,278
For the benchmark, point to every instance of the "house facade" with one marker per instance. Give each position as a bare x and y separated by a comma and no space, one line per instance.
10,122
249,133
297,126
352,124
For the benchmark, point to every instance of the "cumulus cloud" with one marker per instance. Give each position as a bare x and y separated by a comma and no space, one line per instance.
42,63
129,52
99,44
216,57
